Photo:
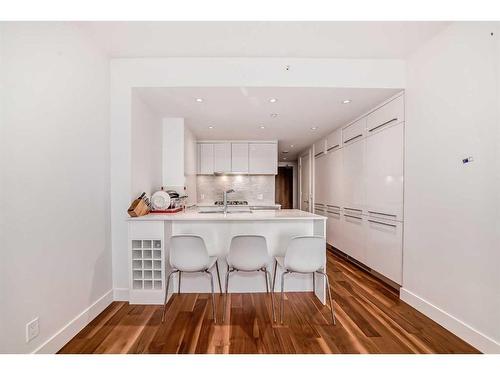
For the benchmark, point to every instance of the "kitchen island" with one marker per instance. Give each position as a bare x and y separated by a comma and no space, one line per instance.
149,238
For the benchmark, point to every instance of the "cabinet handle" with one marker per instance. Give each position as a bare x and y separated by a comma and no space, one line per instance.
354,217
353,138
331,148
319,153
353,209
331,205
379,222
385,123
381,213
331,212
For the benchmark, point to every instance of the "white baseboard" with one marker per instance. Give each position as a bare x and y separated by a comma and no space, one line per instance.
61,338
477,339
121,294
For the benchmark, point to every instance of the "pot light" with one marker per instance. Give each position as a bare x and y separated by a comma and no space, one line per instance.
314,128
199,100
274,115
347,101
262,127
210,127
292,146
273,100
284,158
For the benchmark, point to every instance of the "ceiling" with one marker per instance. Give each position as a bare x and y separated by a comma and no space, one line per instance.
239,113
340,39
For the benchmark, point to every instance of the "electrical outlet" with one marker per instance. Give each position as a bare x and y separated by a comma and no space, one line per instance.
202,196
32,330
260,197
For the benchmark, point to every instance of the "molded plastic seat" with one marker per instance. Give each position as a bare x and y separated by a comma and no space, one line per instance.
304,254
188,253
248,253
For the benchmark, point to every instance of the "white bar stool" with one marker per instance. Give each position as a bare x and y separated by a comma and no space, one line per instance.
248,253
188,253
305,254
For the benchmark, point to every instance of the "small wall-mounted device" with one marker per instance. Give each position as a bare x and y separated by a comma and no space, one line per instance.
468,159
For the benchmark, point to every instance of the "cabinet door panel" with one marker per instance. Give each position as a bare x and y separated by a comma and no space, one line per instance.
389,114
222,157
334,232
354,132
263,158
334,179
353,175
320,181
384,248
384,173
333,140
239,157
206,158
354,237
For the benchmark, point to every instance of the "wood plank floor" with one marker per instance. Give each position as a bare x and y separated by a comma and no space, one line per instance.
370,319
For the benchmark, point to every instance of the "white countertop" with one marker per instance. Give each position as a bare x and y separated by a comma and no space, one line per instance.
194,215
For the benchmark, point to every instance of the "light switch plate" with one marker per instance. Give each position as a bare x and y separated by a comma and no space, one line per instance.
32,330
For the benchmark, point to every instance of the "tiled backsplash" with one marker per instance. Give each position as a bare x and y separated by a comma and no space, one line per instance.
249,188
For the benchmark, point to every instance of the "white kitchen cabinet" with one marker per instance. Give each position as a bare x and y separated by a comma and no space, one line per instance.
389,114
205,158
222,157
384,173
334,140
320,180
334,179
354,131
353,176
263,158
334,232
239,157
320,147
384,248
353,243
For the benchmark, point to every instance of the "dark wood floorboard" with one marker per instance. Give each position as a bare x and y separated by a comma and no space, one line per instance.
370,319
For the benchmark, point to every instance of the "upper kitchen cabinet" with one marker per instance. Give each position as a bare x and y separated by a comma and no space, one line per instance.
320,147
222,157
239,157
205,158
334,140
390,113
263,158
354,131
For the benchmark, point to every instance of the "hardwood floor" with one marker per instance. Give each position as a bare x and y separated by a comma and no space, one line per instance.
370,319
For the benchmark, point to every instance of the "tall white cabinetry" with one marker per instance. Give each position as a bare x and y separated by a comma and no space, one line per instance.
359,186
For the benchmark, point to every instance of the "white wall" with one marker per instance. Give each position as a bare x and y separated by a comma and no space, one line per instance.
452,222
55,201
146,148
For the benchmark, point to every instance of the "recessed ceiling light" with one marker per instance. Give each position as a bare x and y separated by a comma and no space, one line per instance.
292,146
274,115
210,127
314,128
284,152
347,101
199,100
284,158
273,100
262,127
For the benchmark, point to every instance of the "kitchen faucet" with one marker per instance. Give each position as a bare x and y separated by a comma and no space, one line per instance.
224,195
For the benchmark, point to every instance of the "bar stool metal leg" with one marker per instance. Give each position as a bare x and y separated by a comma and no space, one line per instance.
282,305
218,276
213,295
329,296
179,286
268,274
226,294
274,276
166,295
